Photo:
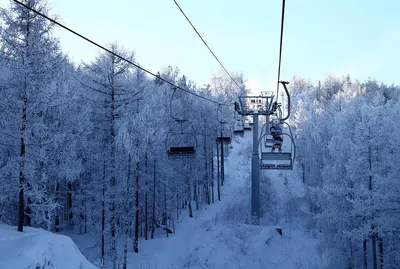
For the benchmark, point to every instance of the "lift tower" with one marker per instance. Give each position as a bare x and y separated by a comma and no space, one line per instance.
255,106
265,105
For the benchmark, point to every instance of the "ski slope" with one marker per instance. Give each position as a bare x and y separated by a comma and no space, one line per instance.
218,236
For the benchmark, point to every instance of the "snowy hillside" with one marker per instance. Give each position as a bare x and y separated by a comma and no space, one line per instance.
37,248
218,236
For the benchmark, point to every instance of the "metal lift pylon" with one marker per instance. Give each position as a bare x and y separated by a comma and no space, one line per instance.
256,106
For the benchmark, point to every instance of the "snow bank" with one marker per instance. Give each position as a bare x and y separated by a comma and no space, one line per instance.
37,248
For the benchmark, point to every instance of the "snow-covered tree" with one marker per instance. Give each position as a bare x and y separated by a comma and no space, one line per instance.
35,63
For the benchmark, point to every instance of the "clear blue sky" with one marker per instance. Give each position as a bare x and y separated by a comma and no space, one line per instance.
361,38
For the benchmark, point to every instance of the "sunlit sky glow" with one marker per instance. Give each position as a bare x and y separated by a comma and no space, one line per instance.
321,37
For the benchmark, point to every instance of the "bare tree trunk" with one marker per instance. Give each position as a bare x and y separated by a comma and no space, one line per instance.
189,196
130,204
153,217
125,261
28,210
69,203
206,177
173,225
57,217
365,254
165,218
146,217
196,196
85,216
166,227
380,244
113,184
222,165
21,199
374,259
146,211
141,222
136,239
212,176
373,241
190,209
218,177
128,216
177,207
83,207
205,191
351,255
103,215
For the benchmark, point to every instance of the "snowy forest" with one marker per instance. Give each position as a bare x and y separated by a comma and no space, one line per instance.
83,147
348,152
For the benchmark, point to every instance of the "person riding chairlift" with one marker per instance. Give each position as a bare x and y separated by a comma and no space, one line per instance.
276,132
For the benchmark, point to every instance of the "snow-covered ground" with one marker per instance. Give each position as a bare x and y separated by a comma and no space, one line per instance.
218,236
37,248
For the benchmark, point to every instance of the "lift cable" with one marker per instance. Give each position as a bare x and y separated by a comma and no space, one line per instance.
280,48
122,58
205,43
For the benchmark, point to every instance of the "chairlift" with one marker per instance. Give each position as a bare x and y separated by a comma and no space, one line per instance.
181,152
269,160
238,132
278,160
270,142
247,126
238,128
181,145
224,135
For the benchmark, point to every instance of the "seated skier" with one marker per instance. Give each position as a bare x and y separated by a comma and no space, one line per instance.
276,133
274,107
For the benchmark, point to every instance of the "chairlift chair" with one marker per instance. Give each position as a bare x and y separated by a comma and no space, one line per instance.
247,126
278,160
224,134
250,121
238,130
181,152
224,137
181,145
